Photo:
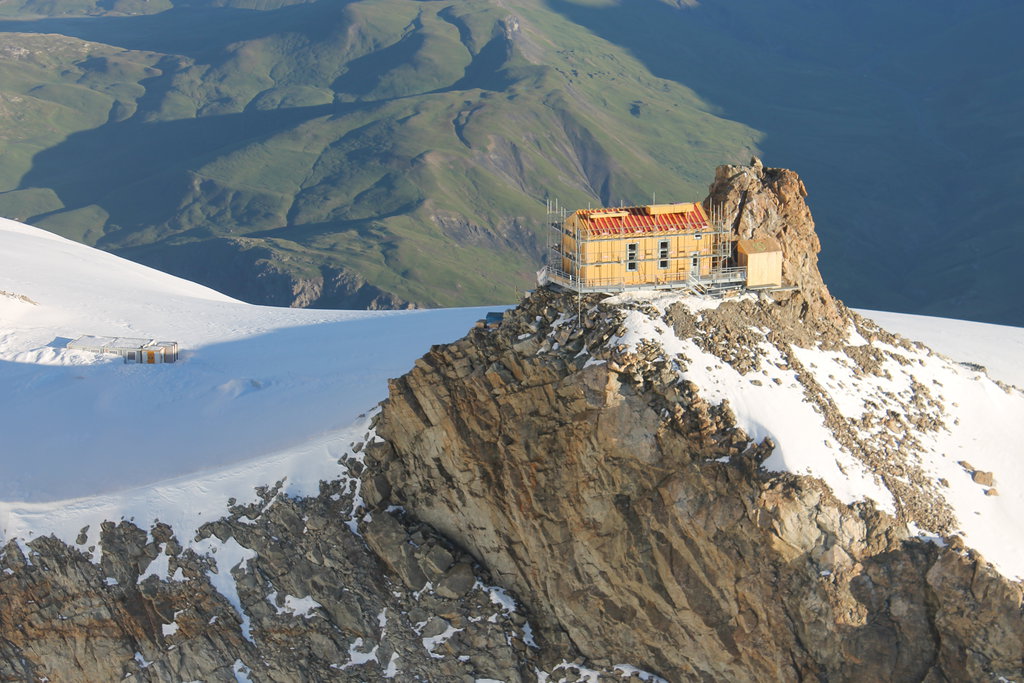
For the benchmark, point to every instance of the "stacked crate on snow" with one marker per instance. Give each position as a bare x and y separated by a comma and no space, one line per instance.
133,350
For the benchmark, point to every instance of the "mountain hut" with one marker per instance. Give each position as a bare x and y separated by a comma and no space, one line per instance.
654,246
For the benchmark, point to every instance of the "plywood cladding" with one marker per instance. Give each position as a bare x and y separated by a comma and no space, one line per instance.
656,244
763,260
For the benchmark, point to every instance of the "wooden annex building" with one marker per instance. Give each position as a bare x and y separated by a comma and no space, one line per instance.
666,246
763,260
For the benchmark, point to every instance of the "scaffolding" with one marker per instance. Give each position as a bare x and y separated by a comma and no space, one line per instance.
720,276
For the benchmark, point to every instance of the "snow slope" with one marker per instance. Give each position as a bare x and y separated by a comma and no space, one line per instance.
252,382
263,394
998,348
909,434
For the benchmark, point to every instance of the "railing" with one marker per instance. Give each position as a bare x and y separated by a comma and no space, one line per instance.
719,281
725,275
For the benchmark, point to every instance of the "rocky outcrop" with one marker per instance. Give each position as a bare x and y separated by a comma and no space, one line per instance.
633,516
249,270
280,590
337,287
769,202
565,457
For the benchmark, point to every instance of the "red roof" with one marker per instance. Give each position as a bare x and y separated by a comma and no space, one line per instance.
634,220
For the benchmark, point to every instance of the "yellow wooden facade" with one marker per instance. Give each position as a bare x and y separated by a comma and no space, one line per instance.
763,260
658,244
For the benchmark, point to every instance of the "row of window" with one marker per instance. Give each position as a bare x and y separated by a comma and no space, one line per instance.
632,260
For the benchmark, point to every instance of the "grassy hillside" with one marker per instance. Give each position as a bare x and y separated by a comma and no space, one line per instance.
410,145
377,152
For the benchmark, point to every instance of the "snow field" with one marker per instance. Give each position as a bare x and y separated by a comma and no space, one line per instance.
983,421
252,380
259,395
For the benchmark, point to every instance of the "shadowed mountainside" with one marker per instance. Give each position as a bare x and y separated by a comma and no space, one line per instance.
411,145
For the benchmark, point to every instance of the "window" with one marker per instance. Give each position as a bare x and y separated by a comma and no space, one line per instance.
695,265
631,252
663,254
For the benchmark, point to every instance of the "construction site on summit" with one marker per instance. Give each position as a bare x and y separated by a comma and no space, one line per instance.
682,246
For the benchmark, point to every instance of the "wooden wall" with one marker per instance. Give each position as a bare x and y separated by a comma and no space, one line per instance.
604,260
764,268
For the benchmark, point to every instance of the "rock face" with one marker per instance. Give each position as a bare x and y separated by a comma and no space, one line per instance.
282,590
242,268
633,516
769,202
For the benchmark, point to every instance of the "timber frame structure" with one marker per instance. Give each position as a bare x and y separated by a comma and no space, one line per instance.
658,246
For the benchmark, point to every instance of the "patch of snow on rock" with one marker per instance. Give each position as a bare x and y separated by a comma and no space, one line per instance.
937,429
228,555
241,672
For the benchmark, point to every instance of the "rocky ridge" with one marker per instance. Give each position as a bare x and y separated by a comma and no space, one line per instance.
769,202
635,516
280,589
627,505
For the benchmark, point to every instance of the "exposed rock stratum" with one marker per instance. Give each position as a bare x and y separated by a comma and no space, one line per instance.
632,512
580,455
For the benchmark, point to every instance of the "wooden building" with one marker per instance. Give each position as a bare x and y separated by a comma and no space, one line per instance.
763,260
132,350
660,245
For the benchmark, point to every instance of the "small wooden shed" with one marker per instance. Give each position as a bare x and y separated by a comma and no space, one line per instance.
762,258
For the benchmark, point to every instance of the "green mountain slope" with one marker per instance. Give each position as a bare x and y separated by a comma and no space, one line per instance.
374,152
381,152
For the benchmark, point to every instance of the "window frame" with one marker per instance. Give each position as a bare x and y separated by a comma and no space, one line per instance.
664,247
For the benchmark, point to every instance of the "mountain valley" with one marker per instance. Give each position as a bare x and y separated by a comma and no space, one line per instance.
393,153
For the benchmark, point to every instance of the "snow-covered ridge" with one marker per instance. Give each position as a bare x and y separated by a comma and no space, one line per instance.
260,395
927,437
997,348
271,392
252,382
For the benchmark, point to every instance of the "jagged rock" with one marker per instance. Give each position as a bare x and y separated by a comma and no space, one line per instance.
435,626
983,478
631,514
64,617
457,581
769,202
389,541
435,561
375,490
